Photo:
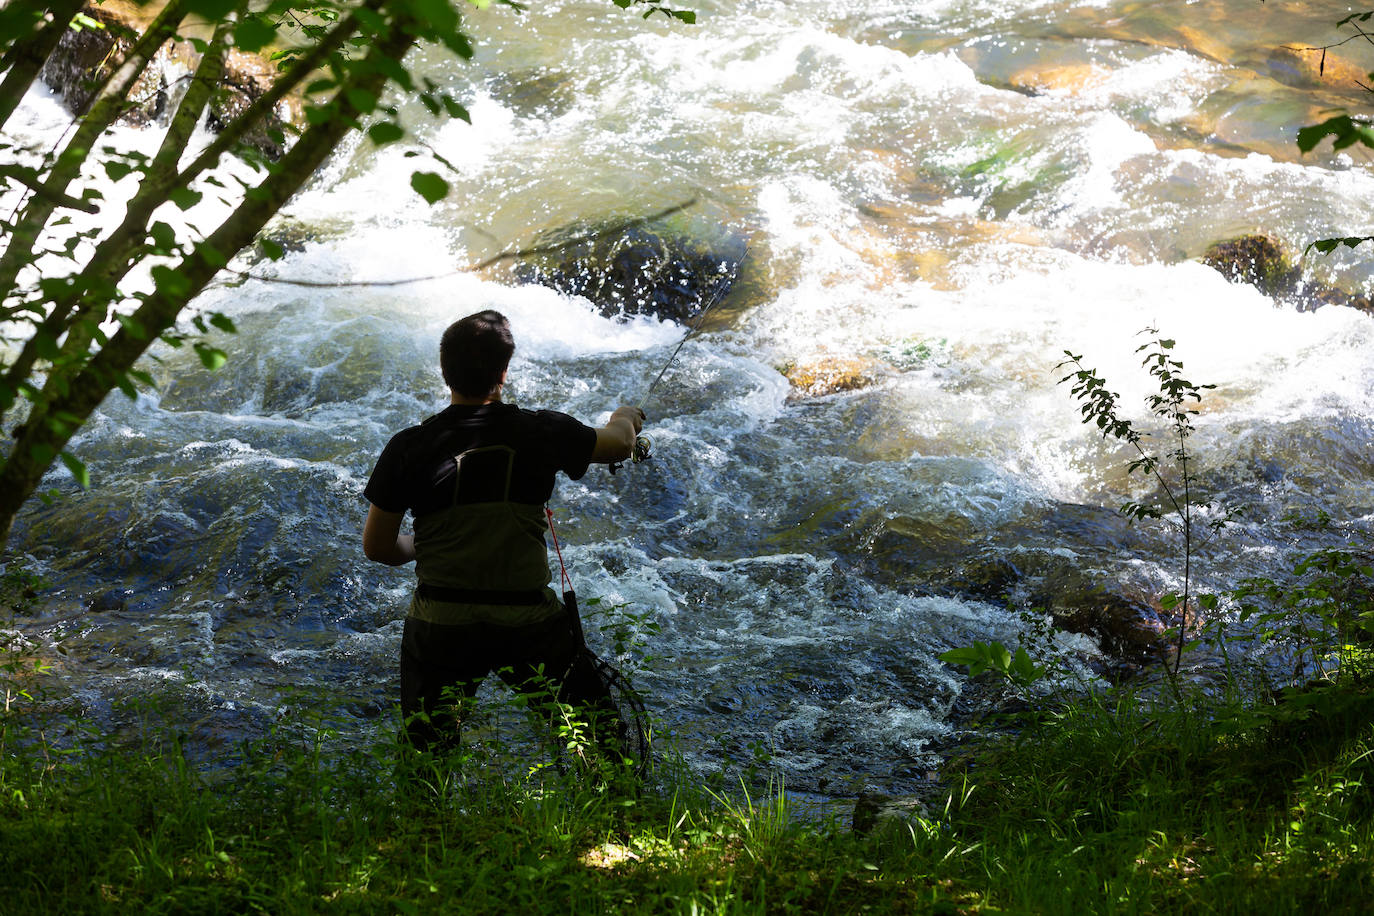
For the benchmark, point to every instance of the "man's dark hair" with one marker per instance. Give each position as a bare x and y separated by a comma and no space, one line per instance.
474,352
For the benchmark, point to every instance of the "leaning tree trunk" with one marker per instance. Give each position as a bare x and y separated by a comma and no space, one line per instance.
73,390
25,57
81,307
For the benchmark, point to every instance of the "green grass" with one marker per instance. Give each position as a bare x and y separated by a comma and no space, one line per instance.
1110,804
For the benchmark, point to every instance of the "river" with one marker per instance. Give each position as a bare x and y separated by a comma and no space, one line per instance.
946,194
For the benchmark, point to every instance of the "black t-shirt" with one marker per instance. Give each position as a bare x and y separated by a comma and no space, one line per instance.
475,479
416,470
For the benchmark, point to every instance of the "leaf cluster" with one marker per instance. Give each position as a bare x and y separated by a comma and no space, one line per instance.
1344,129
1321,614
1017,667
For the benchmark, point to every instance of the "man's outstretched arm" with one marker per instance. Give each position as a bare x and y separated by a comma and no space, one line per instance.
616,440
382,538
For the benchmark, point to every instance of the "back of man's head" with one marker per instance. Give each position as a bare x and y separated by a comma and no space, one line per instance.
474,353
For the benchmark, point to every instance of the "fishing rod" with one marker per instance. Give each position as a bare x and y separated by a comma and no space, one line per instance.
644,446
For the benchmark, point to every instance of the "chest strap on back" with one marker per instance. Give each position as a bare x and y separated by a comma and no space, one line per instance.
480,595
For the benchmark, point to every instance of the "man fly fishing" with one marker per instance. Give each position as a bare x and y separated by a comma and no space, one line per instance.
475,478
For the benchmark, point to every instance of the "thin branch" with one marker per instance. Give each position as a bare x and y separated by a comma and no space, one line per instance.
28,177
588,237
481,265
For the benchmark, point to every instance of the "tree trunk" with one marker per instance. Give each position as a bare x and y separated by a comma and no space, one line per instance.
73,392
29,227
25,57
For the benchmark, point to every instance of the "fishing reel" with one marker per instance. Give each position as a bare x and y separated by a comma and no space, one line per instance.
643,451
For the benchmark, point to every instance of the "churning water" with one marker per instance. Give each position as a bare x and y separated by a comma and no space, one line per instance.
947,194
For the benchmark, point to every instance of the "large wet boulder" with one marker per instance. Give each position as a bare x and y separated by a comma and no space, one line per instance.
1263,263
90,51
638,269
247,78
1122,618
1127,626
88,54
1256,260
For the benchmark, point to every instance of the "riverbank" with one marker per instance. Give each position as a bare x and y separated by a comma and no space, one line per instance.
1116,803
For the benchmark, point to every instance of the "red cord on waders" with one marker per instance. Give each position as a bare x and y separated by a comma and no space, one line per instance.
569,596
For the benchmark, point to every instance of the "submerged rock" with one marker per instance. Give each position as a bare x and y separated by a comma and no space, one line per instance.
1261,262
1127,627
638,270
873,810
1063,79
825,376
1311,68
1254,259
537,93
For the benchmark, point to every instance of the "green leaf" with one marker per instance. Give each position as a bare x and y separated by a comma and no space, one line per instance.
126,386
271,249
42,454
361,99
370,19
1344,130
211,357
454,109
45,345
254,34
223,322
1326,246
211,255
171,282
1169,602
164,237
395,72
81,21
430,186
974,658
184,198
1023,669
384,132
78,469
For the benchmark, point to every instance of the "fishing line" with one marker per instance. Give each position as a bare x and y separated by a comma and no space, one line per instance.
644,446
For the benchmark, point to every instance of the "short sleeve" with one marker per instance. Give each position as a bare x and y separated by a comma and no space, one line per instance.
386,488
572,442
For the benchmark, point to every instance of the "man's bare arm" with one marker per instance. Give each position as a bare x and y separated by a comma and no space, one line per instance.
616,440
382,538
